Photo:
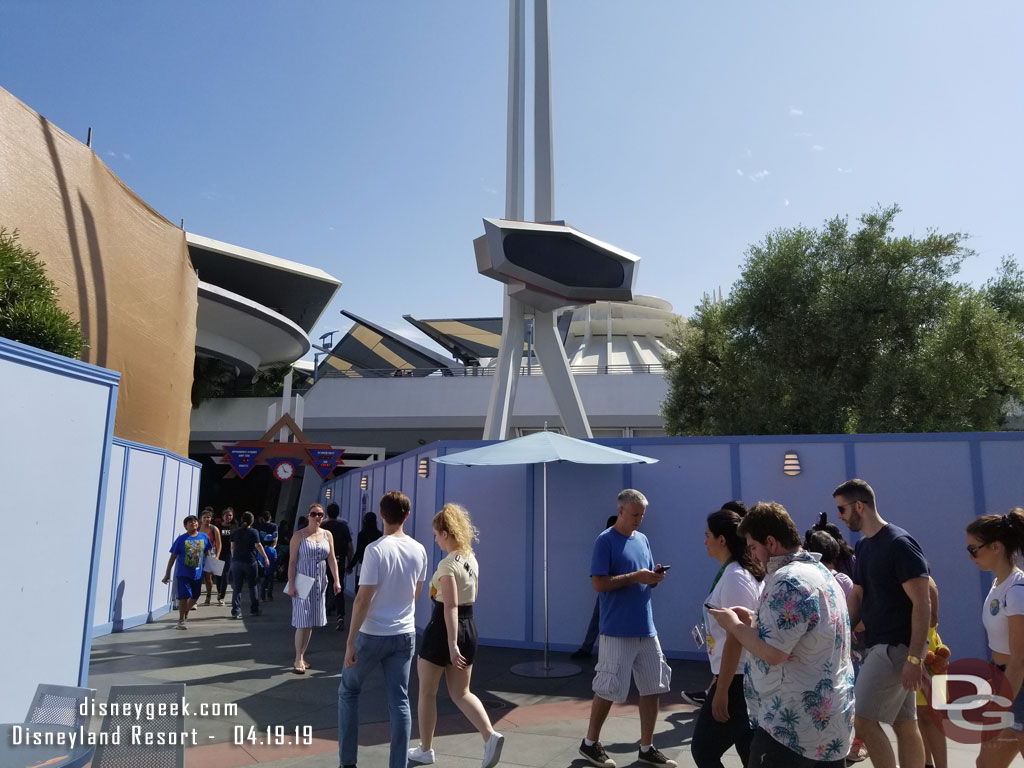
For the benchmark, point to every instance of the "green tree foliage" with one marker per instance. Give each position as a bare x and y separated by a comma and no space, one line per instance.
29,312
833,331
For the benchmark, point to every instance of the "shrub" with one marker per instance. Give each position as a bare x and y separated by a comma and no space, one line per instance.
28,302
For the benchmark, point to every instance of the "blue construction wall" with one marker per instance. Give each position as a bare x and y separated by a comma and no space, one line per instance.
932,485
150,492
54,466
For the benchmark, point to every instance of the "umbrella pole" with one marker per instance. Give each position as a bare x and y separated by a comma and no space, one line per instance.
545,487
545,668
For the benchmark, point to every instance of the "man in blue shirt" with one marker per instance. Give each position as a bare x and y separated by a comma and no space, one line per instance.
188,550
623,572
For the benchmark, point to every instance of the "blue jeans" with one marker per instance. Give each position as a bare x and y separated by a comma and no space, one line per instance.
241,573
394,653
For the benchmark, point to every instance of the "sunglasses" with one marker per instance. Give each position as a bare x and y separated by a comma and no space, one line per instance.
316,514
972,549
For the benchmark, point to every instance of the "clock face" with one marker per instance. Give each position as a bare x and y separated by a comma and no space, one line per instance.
284,470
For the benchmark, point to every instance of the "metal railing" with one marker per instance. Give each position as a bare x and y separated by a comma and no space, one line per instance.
532,370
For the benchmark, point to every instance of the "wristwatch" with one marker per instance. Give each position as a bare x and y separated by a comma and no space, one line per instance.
915,660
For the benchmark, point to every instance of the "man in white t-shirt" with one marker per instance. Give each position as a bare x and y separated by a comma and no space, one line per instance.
383,630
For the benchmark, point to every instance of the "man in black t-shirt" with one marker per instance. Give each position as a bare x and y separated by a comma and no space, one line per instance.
342,551
890,594
227,527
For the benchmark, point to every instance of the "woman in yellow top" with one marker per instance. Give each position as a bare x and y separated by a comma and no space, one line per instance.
450,639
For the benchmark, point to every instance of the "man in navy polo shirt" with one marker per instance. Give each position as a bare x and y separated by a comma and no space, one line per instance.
890,594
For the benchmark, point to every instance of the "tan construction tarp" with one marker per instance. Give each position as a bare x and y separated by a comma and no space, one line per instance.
122,269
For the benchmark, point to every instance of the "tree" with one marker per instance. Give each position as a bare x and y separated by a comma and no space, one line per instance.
29,312
832,331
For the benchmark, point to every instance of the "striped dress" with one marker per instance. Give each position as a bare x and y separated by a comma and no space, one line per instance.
312,561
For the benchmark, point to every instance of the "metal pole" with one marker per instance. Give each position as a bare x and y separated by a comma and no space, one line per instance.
514,156
545,487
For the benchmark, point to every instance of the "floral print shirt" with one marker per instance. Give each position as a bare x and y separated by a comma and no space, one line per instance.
806,702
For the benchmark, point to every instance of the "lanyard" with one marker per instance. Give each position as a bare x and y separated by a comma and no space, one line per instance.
719,575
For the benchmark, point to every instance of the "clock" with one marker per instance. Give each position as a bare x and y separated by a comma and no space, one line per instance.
284,471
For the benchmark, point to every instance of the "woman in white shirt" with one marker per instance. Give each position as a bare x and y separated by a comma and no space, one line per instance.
722,721
993,542
450,639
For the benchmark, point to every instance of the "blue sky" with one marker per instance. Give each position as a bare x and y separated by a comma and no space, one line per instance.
368,138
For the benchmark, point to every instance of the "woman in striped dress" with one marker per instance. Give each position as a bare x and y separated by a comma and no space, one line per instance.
311,552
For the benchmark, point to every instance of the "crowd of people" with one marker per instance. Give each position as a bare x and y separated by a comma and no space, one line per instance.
813,645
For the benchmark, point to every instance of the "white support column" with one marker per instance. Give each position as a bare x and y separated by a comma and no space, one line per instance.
543,152
559,376
286,399
506,369
298,411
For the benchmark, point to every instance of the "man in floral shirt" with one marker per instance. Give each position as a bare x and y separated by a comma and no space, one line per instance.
799,679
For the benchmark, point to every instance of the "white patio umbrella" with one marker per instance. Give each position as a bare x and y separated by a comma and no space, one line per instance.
543,448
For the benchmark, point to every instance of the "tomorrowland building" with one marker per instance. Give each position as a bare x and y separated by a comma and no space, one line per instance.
378,394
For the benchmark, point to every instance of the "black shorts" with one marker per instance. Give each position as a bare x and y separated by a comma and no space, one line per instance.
435,637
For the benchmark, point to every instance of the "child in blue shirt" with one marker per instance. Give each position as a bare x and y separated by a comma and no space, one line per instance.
188,550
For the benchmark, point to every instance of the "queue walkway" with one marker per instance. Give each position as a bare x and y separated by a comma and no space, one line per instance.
239,682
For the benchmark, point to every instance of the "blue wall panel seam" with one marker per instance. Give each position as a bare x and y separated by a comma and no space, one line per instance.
156,533
735,471
118,531
97,535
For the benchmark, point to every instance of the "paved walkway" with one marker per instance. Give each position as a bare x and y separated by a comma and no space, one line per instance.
248,663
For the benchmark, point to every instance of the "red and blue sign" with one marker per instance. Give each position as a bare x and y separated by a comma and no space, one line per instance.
242,459
324,460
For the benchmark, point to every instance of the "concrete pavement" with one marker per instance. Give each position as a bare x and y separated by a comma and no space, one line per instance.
240,671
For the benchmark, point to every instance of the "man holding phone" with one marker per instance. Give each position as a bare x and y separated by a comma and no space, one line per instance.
623,573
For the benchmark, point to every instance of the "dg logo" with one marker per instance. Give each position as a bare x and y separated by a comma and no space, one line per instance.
971,702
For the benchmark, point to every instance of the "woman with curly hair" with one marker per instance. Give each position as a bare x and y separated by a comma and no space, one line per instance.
994,543
450,639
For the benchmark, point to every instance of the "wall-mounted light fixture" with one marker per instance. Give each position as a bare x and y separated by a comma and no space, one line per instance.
791,464
328,493
364,483
423,470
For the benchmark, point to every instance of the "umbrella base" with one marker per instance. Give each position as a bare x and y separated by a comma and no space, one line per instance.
539,669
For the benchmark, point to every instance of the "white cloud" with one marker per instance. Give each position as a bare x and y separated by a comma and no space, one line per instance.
739,172
488,189
802,135
817,148
785,202
794,112
110,154
845,170
748,153
758,176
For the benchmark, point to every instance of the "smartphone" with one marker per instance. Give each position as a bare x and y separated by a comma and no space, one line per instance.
662,568
712,607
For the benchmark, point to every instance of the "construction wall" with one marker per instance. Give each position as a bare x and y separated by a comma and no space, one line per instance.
149,493
932,485
122,270
54,462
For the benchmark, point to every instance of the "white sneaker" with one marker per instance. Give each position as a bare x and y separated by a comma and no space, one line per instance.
181,625
492,750
417,755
